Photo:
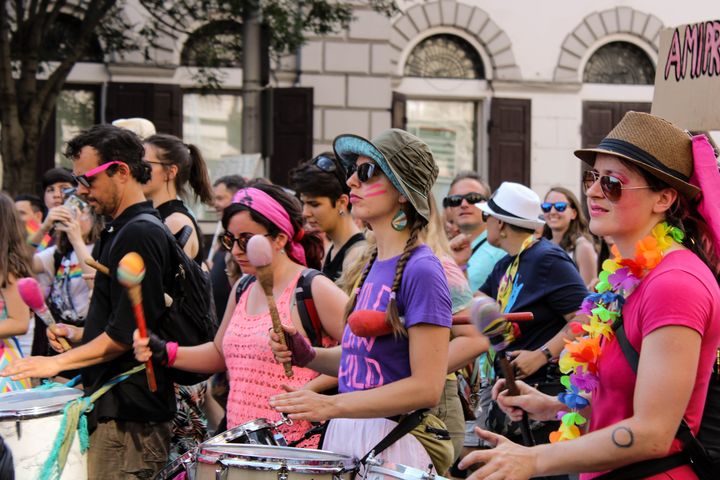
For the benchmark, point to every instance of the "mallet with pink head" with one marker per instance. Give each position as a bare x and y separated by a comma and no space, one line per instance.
259,253
31,294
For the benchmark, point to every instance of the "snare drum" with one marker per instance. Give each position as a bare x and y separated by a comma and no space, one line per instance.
378,469
258,432
29,422
262,462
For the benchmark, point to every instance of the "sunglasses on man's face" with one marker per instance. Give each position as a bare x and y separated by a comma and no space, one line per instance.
86,178
612,187
364,171
227,240
559,206
456,200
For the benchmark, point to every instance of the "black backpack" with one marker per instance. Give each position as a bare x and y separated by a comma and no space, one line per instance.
702,452
305,303
190,320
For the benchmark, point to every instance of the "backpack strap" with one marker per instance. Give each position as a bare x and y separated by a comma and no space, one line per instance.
306,307
243,285
143,217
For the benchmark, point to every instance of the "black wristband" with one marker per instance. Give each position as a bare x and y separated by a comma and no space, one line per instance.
158,348
548,354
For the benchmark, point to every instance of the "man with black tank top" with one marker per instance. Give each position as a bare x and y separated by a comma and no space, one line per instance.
321,186
470,249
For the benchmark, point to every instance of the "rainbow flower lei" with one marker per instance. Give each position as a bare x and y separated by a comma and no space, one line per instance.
579,360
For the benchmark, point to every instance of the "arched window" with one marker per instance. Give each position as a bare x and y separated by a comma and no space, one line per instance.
215,45
620,63
445,56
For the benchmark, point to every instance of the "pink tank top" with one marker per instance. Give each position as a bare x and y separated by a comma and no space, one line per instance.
254,374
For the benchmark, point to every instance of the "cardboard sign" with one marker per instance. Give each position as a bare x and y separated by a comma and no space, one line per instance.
687,80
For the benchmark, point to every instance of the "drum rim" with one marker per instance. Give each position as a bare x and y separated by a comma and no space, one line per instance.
227,435
36,412
390,468
340,462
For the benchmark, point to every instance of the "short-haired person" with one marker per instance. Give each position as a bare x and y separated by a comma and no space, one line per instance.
131,426
324,193
14,314
223,190
471,249
30,208
394,373
664,289
240,345
566,226
535,276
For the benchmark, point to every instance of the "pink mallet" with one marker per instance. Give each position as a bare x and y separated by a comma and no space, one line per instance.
31,294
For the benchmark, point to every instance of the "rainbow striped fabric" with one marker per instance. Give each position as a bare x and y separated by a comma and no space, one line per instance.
32,227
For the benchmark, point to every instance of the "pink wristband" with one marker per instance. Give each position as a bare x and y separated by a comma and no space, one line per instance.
171,348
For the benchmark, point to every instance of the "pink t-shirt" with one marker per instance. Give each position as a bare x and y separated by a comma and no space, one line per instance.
681,290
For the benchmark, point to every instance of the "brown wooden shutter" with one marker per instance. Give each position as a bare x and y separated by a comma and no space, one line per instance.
509,129
600,117
399,111
161,104
292,130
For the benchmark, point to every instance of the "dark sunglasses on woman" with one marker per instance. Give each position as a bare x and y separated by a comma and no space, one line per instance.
611,187
455,200
227,240
364,172
559,206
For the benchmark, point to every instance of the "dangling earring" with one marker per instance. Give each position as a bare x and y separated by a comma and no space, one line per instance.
400,221
341,213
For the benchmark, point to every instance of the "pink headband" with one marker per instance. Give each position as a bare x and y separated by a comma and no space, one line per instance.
268,207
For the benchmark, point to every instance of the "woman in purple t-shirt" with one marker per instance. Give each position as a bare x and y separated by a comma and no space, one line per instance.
400,366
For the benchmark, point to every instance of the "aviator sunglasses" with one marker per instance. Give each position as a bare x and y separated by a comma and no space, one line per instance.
455,200
559,206
364,172
227,240
611,186
86,179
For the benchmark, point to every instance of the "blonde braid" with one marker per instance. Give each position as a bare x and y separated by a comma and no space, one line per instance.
392,314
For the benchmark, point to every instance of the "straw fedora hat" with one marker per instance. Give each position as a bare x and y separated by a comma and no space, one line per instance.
515,204
653,144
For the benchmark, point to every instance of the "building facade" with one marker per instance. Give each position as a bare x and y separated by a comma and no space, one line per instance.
509,89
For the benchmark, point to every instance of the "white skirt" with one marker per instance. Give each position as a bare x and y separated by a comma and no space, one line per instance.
356,436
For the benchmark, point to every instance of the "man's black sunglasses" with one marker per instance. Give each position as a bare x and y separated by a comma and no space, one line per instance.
455,200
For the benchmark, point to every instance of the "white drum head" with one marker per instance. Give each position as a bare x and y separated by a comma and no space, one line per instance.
30,403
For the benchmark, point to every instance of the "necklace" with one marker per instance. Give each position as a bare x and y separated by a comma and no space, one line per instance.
579,360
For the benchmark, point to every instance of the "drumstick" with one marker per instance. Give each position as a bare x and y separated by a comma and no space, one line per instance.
130,274
259,252
30,293
510,317
485,314
91,262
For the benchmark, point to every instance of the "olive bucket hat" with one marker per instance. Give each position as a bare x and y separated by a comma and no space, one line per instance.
653,144
405,159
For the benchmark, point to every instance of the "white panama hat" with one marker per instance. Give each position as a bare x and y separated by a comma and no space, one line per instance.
515,204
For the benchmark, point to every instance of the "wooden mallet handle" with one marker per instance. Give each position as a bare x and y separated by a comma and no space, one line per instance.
262,275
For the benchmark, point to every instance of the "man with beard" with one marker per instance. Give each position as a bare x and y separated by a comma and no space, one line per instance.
131,426
470,249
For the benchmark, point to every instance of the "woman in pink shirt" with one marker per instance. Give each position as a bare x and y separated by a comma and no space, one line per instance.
662,289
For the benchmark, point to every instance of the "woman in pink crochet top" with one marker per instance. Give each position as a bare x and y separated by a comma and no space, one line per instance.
240,345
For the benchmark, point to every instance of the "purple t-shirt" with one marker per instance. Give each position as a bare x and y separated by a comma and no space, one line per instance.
424,297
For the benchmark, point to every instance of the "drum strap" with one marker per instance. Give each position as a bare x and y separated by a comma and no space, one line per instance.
405,425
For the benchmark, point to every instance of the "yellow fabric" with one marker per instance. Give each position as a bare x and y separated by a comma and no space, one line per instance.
508,280
441,452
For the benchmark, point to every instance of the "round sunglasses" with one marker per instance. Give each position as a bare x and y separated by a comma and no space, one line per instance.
559,206
612,187
364,171
456,200
227,240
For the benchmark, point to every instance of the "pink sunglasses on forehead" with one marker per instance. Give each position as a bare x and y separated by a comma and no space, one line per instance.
84,179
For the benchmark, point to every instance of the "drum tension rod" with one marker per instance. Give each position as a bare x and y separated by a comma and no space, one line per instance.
18,430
